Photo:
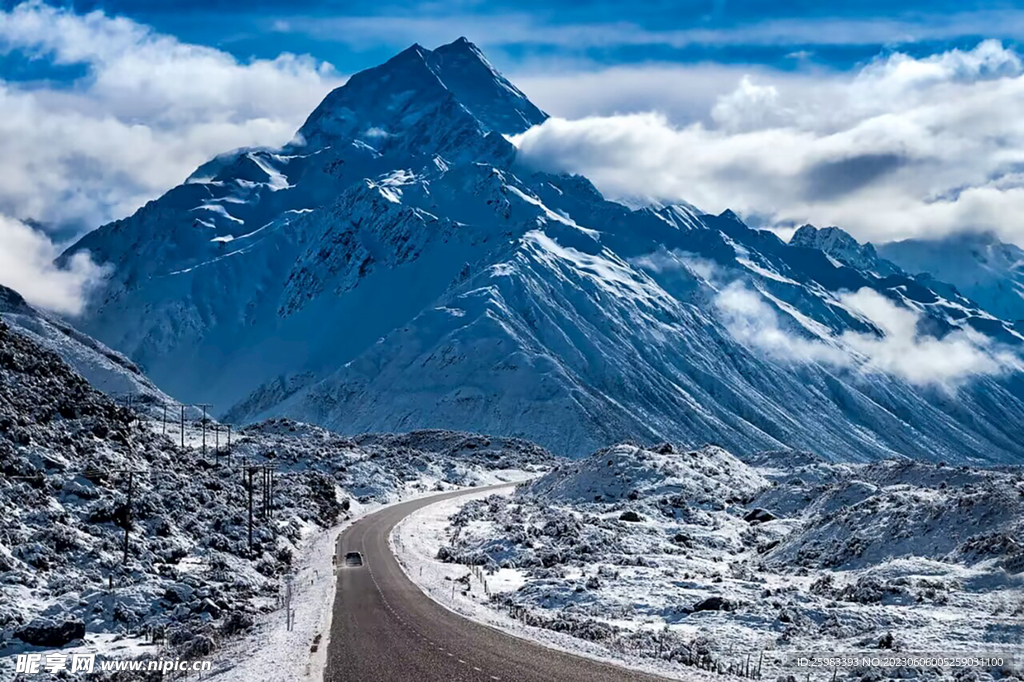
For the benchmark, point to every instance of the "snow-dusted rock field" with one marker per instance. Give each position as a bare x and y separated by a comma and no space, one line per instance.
68,455
662,558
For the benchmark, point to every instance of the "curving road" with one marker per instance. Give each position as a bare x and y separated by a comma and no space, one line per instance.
385,629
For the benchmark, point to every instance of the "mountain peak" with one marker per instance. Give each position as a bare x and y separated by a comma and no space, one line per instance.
809,235
414,51
498,104
392,97
461,43
843,247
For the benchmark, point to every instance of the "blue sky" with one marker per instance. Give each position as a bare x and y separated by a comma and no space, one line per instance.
782,35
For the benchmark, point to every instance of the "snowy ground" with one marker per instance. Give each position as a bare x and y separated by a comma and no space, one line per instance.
646,557
467,590
78,469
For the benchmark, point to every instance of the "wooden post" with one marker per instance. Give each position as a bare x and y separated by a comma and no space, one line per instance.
250,511
127,518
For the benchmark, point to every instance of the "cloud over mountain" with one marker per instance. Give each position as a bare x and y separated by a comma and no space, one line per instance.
904,147
898,348
27,265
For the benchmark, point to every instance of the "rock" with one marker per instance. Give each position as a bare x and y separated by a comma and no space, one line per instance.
887,641
713,604
630,516
207,606
759,516
51,633
682,539
179,593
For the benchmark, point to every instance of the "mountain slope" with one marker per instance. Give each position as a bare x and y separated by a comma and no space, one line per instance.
575,346
105,369
396,268
979,265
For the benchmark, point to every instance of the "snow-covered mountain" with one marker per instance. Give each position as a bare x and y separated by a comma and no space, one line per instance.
395,267
841,246
978,264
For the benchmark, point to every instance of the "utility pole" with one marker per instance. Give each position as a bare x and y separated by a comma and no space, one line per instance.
288,604
182,426
266,492
270,489
250,471
165,419
204,406
216,442
229,439
127,518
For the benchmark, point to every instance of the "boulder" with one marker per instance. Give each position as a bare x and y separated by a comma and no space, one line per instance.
51,633
759,516
630,516
713,604
207,606
179,593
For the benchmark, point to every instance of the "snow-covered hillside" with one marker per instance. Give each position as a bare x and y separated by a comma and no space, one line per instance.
105,369
396,268
76,470
665,559
979,265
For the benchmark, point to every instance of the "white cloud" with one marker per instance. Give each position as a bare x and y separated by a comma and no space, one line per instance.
898,349
904,147
684,93
752,321
147,111
27,266
919,359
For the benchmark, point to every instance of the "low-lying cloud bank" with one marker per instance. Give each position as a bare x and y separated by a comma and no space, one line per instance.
27,265
899,349
905,147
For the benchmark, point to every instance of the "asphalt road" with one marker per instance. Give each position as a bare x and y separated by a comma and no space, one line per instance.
384,629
